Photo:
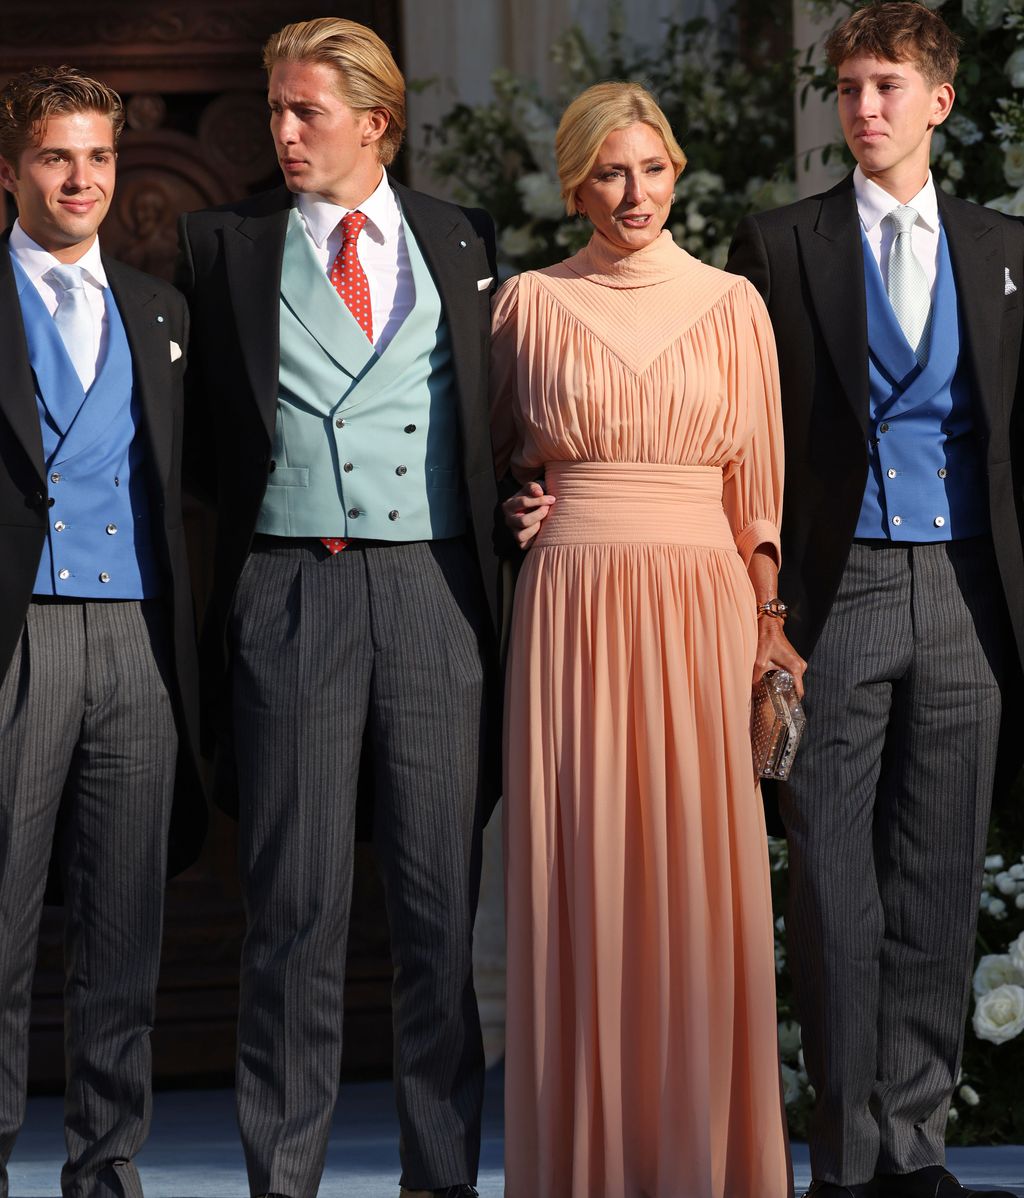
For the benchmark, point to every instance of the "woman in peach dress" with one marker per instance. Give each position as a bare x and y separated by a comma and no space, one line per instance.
641,1057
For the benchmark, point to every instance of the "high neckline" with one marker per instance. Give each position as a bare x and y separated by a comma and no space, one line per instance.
600,261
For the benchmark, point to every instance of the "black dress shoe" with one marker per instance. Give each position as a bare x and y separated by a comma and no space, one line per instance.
935,1181
463,1190
829,1189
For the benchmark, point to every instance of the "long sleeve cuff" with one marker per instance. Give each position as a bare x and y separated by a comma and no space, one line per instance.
757,533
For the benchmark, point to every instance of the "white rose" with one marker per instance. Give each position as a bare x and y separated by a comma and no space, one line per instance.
1012,205
938,145
1015,951
955,170
542,195
1013,164
790,1085
1017,871
1004,883
995,862
1015,67
789,1038
986,14
954,1115
969,1095
999,1015
514,243
996,969
1018,902
695,222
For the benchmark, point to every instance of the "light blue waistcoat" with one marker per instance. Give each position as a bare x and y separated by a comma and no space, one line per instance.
99,540
365,445
926,476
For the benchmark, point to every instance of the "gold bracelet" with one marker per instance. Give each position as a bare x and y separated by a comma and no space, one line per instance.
773,607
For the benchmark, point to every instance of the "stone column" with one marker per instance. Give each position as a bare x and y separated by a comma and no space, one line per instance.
816,123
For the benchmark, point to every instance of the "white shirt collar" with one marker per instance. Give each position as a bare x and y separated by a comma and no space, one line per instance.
874,202
383,216
35,261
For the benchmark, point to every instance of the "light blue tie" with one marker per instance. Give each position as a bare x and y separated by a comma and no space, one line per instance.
74,321
908,288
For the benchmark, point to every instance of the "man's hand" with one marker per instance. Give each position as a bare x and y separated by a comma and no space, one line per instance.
524,512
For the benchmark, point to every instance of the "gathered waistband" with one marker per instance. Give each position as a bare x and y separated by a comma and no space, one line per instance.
635,502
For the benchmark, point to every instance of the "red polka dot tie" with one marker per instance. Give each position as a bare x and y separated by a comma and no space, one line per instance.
348,276
350,282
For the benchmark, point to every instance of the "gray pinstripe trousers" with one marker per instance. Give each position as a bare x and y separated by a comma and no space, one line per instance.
87,755
386,638
886,812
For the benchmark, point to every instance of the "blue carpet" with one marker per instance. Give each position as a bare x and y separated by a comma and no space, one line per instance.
193,1150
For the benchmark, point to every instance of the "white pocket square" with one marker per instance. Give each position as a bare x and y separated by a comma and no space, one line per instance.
483,284
1008,287
175,351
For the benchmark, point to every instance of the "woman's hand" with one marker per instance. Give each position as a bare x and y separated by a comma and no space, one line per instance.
525,510
774,652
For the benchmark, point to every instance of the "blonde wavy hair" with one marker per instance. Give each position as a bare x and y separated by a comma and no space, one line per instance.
589,119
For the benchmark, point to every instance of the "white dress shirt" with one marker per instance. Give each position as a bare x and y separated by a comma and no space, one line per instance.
382,252
37,262
874,203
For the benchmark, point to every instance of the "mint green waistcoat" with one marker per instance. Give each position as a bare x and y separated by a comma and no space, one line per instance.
365,445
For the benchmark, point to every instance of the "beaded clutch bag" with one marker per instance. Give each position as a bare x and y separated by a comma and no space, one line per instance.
777,723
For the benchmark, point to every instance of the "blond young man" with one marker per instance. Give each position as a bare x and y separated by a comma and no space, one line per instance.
339,423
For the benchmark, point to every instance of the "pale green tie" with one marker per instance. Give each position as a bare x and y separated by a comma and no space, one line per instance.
74,321
909,293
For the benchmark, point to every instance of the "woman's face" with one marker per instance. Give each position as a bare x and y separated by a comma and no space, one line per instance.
628,193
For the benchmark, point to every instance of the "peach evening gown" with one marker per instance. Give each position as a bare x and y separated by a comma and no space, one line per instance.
641,1057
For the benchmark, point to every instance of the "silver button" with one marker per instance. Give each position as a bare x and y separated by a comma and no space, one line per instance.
401,471
392,515
159,320
891,473
111,529
943,472
347,467
883,428
940,521
340,422
354,513
58,526
65,574
55,477
897,520
104,576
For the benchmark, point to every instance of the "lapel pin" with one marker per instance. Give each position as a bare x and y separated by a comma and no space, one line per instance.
1009,287
463,244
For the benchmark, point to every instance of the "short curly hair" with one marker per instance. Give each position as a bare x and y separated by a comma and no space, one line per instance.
903,31
30,99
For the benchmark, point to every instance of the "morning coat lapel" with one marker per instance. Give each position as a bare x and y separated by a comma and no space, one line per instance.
18,394
444,245
976,251
149,338
833,259
254,253
310,294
